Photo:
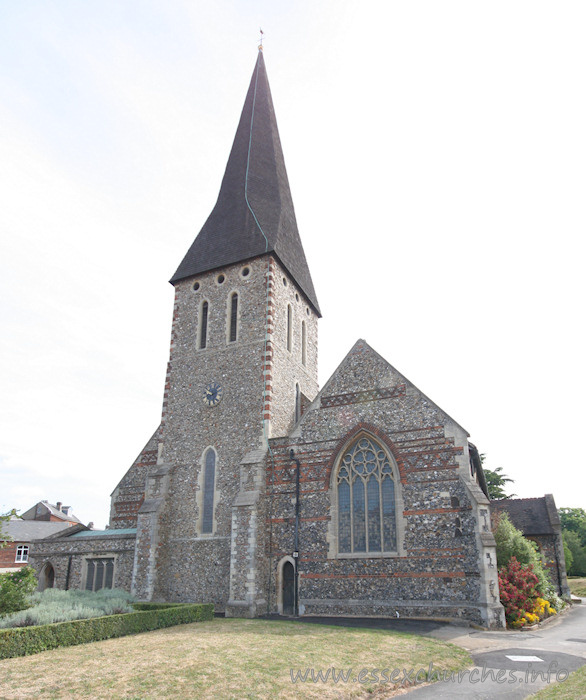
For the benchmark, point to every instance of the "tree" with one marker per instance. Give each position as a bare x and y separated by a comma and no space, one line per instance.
574,519
578,552
573,522
4,518
496,482
16,588
568,556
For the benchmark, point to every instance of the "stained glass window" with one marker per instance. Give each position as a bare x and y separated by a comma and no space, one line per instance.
208,492
366,500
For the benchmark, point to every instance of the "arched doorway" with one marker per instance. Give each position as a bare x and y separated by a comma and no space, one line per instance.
47,577
288,588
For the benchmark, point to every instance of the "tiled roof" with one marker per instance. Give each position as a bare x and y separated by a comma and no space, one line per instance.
255,172
28,530
530,515
36,510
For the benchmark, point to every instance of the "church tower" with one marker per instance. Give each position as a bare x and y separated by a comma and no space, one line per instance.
243,361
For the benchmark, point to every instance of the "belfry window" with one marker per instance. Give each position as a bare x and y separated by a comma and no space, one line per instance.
203,326
207,525
366,500
233,332
289,326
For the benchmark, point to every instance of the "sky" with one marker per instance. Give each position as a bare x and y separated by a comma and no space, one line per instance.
435,152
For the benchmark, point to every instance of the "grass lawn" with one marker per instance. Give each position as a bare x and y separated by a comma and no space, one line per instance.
573,688
224,659
578,586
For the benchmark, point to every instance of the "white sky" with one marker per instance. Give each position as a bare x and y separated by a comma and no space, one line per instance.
436,153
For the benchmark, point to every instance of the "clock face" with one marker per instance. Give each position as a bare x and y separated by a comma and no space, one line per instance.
212,394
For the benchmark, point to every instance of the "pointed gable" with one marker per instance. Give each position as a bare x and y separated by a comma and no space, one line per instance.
254,214
364,376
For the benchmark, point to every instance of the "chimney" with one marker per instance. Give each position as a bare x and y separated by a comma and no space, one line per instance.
90,526
58,505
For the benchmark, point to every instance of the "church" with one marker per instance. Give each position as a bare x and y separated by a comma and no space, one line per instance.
261,492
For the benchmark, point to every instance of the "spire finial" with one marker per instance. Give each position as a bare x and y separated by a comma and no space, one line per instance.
261,37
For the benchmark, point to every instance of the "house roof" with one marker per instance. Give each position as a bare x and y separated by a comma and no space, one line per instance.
28,530
254,214
53,510
530,515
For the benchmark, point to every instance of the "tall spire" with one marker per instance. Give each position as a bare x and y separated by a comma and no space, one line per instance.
254,214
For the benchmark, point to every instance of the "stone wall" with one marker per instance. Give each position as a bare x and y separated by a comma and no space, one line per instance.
258,376
128,496
67,555
439,568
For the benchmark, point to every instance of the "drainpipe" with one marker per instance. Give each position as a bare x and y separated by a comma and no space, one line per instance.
296,546
68,573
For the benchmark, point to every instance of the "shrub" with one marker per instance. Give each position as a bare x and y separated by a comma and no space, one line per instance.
510,543
21,641
157,606
517,583
54,605
16,588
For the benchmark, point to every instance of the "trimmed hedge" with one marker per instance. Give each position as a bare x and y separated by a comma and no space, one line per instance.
157,606
21,641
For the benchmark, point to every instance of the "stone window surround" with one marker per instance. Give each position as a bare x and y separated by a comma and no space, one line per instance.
200,493
93,557
333,493
231,293
199,325
21,554
289,327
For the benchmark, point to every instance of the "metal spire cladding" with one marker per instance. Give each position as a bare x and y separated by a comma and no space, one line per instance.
254,213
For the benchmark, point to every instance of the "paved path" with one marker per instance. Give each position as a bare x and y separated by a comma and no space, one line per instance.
526,661
508,664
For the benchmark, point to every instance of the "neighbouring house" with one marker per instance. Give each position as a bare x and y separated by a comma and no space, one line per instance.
538,520
45,511
262,493
37,523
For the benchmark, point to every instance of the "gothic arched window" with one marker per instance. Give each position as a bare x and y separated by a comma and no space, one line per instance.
209,478
233,325
289,326
365,486
203,326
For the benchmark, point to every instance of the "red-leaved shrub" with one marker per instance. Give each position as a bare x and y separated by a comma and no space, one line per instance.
517,583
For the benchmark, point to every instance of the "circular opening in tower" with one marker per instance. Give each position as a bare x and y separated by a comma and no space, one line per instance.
220,279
